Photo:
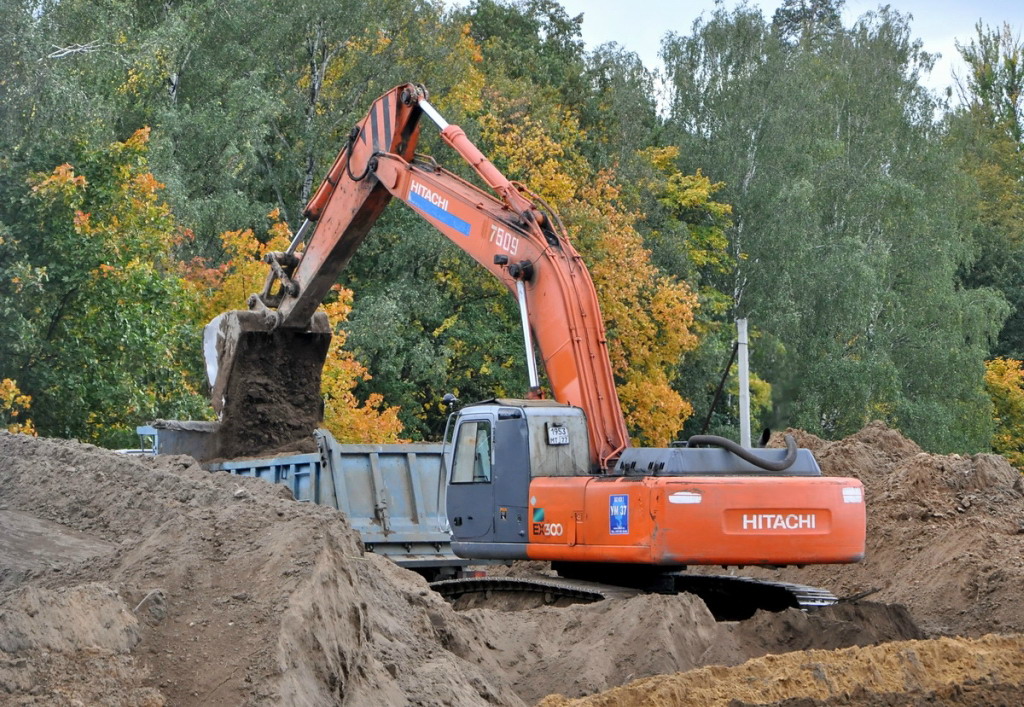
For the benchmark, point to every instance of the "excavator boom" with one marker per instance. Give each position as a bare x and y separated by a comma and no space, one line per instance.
519,243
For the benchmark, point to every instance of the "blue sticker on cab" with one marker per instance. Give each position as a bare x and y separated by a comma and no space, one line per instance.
618,514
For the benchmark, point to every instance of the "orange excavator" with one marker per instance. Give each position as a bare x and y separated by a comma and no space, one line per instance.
530,478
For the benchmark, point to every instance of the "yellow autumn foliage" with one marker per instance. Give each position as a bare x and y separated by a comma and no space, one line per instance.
1004,382
13,406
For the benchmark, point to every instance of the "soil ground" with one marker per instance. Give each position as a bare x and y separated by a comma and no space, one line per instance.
141,581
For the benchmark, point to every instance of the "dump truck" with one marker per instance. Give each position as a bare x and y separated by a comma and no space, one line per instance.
391,494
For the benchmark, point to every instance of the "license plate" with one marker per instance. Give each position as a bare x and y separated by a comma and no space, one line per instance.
557,434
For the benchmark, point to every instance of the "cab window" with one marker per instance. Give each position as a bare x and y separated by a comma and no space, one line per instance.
472,453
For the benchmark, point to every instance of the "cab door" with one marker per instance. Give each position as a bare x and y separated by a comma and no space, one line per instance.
470,502
511,476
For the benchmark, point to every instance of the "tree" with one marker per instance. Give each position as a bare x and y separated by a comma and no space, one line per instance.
848,226
808,20
250,104
98,309
1004,381
687,231
348,418
985,131
427,320
533,40
994,82
619,114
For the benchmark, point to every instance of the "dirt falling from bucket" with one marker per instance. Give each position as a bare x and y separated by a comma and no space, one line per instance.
272,400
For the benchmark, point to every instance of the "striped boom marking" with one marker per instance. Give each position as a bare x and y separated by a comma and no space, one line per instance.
435,206
383,120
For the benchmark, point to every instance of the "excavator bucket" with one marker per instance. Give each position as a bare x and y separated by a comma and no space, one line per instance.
265,380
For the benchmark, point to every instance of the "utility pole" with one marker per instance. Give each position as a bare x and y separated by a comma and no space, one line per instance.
744,371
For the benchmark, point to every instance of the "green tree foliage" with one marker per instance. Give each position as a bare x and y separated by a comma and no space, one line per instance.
454,328
250,103
847,229
619,116
92,299
995,78
532,40
808,20
986,131
42,103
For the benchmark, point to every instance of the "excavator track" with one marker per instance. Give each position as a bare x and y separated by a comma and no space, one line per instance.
472,592
728,598
732,598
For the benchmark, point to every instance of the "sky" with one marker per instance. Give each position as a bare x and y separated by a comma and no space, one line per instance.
639,25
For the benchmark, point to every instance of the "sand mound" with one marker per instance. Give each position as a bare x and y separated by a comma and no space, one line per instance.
945,532
162,583
65,620
584,649
28,544
985,671
224,591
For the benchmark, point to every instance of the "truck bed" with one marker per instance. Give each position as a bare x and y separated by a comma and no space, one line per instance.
393,495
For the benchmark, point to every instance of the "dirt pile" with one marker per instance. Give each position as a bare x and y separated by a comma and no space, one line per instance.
945,533
29,543
214,590
986,671
583,649
152,581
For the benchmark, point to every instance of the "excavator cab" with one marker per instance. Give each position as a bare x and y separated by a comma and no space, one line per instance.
496,448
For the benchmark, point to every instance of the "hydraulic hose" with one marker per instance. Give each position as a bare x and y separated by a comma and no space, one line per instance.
744,453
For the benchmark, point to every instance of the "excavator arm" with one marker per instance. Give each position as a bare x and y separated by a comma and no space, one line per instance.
344,208
520,243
